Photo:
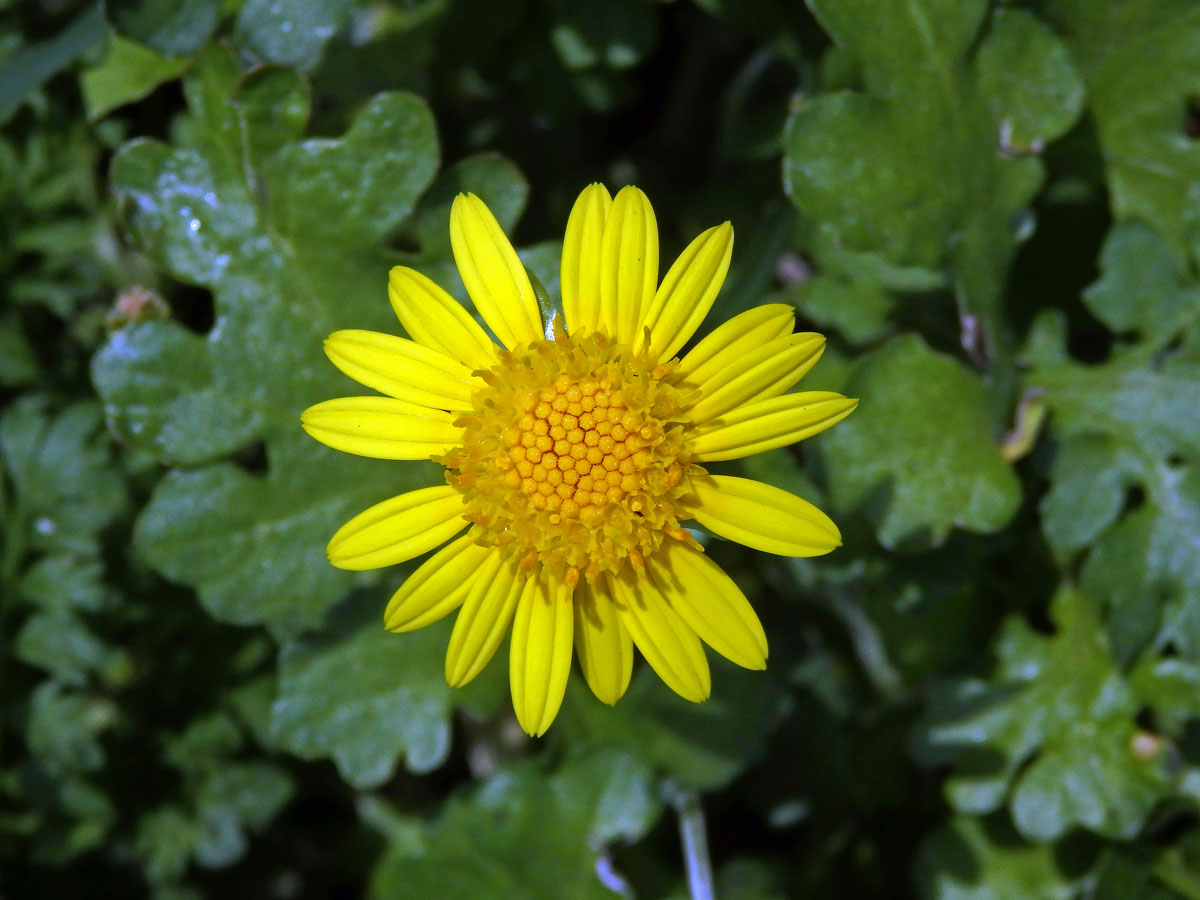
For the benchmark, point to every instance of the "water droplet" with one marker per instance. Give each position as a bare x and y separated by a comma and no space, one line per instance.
194,225
185,211
276,8
45,526
221,261
285,27
210,198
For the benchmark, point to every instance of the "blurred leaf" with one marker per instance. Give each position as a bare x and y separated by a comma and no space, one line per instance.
172,27
30,67
18,365
66,490
983,859
289,32
1170,687
128,72
366,697
63,583
62,645
231,800
704,745
68,815
63,728
480,846
1139,101
919,455
616,34
905,177
224,798
1052,734
164,843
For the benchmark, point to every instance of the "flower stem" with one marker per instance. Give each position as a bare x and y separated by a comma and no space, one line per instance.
693,835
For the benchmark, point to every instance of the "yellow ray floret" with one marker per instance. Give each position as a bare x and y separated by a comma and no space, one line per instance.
574,456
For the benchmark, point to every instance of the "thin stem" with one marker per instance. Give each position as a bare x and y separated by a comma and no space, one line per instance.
693,835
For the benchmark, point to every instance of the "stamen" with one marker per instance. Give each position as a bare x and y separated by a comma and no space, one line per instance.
574,458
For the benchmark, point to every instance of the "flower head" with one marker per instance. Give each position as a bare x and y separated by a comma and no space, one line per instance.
574,454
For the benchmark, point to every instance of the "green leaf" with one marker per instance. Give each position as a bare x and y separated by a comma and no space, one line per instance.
704,745
365,697
920,454
1138,101
172,27
904,176
1028,80
128,72
481,845
289,32
1051,735
1127,425
856,309
1144,287
292,249
983,859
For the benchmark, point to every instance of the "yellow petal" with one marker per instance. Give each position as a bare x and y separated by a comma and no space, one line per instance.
733,340
381,427
402,369
766,372
493,273
710,604
628,265
434,318
669,645
763,517
398,529
483,619
438,587
602,643
581,259
767,424
539,659
687,293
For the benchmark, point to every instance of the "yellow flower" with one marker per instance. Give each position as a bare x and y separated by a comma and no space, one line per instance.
574,455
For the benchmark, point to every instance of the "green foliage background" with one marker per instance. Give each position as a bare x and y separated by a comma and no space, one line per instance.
991,692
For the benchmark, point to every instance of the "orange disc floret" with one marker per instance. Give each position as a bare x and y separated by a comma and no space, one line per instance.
574,457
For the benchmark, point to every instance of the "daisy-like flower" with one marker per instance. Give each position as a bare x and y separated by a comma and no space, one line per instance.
574,456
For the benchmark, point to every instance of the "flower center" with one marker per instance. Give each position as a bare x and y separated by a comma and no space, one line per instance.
574,457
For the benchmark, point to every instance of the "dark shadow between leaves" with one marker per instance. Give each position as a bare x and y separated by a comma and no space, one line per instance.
252,459
192,307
